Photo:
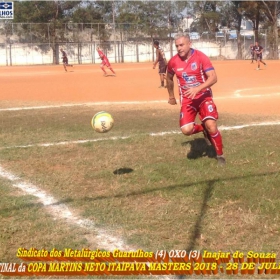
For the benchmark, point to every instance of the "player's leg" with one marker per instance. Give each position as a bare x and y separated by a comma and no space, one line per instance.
103,69
64,66
262,62
187,120
208,114
161,71
110,67
161,77
66,63
258,61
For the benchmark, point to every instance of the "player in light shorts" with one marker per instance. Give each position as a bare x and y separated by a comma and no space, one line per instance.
195,76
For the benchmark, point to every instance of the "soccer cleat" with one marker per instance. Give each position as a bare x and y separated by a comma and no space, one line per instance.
221,160
258,68
161,87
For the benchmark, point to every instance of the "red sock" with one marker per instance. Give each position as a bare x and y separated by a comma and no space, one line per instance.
197,128
216,140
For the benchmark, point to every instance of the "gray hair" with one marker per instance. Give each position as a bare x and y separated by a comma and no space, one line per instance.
182,34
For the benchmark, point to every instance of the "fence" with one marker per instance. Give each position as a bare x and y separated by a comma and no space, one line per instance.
24,44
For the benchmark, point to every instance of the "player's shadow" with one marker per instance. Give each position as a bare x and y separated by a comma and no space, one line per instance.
123,170
197,231
199,148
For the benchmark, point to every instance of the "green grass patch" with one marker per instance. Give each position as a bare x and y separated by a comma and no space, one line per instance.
155,192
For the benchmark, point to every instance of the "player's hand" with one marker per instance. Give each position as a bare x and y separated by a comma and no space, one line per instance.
191,92
172,101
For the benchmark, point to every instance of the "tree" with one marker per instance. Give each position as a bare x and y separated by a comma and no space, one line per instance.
47,18
272,10
238,13
253,10
207,18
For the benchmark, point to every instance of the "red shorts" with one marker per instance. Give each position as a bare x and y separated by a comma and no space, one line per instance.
105,62
204,106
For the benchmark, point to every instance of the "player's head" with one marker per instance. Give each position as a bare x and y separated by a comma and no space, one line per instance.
183,44
156,44
61,49
257,43
100,53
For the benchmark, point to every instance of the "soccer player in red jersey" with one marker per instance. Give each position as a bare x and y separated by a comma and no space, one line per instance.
65,60
105,62
259,50
195,75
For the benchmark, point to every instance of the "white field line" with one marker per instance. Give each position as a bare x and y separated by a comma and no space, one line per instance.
66,142
237,94
82,104
258,88
222,128
126,137
60,211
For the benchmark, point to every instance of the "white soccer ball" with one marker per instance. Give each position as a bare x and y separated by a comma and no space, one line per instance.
102,122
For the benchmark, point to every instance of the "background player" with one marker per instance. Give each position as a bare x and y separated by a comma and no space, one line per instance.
162,63
105,62
195,75
258,52
65,60
252,50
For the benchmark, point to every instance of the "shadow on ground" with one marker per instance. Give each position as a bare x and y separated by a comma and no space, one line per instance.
123,170
199,148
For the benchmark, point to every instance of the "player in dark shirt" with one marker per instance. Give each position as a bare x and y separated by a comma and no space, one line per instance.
65,60
259,52
162,63
252,50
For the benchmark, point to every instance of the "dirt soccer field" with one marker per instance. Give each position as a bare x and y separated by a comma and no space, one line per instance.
143,185
240,88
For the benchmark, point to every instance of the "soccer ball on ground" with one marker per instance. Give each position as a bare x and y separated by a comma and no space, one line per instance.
102,122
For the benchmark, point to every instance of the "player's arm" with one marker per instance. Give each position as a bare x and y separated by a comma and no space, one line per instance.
170,88
155,63
211,80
